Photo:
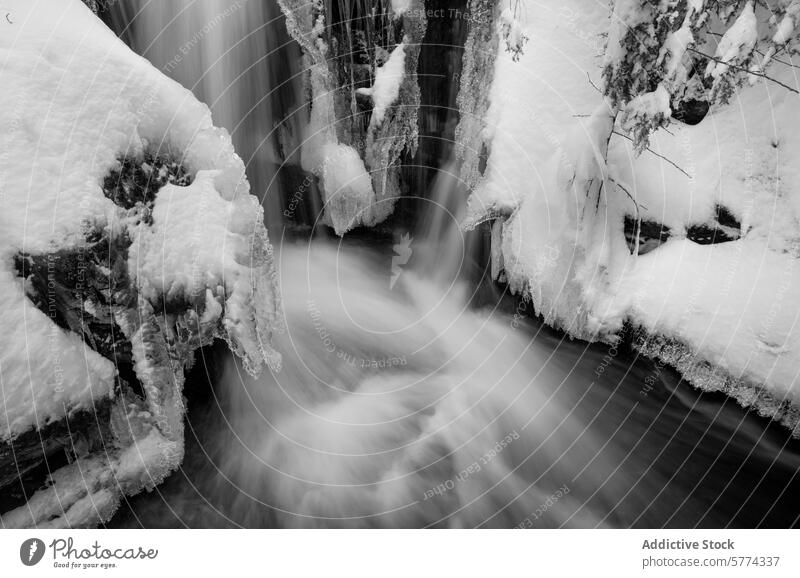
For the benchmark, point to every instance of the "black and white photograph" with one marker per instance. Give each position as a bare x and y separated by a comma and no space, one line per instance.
309,267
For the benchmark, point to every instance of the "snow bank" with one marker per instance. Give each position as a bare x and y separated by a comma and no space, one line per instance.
74,100
559,204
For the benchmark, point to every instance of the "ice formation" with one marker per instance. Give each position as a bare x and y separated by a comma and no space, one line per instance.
127,231
687,237
362,102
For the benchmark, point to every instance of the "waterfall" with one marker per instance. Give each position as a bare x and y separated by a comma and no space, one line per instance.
234,55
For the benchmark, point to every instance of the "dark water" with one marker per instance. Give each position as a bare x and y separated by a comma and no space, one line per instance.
634,445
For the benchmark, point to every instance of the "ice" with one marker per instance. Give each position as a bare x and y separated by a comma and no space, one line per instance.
88,491
348,187
330,142
201,243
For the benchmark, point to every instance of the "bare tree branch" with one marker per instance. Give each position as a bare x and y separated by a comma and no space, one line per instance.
673,163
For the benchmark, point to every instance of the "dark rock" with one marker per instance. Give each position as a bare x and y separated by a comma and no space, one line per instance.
28,460
134,182
651,235
690,111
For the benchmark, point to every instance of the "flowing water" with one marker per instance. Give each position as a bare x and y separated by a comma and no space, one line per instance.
235,55
416,393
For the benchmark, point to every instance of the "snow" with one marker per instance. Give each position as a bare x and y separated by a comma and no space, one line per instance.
400,7
788,24
386,88
737,43
512,31
628,14
645,109
393,122
88,491
651,103
713,298
86,99
75,98
45,372
70,486
734,305
344,182
674,49
785,30
526,134
200,244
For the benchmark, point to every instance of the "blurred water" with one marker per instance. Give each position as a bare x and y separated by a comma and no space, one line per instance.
236,56
403,406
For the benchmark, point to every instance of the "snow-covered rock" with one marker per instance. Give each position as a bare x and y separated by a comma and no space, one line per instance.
564,183
83,244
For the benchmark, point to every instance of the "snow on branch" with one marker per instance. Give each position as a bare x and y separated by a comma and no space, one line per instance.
663,56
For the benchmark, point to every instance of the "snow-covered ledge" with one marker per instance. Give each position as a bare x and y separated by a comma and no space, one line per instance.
128,237
692,241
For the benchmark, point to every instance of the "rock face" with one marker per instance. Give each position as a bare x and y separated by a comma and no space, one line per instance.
362,100
128,239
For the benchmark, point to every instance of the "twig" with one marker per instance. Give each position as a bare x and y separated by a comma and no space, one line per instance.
786,86
592,83
638,214
673,163
627,192
599,194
